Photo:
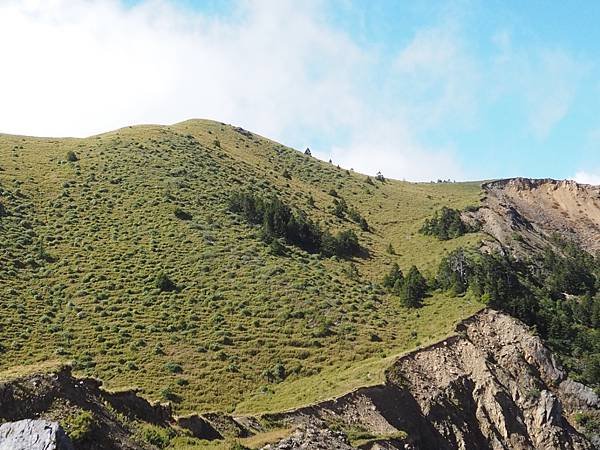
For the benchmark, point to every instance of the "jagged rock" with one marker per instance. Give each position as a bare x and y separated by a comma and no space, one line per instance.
578,395
226,425
522,214
312,438
199,427
492,386
33,435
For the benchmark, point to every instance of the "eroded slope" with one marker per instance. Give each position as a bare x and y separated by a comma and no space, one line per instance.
493,385
524,214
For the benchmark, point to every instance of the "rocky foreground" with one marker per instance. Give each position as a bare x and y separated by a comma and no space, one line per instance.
493,385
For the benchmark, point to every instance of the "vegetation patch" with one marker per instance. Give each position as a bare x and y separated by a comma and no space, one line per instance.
446,224
558,293
280,221
79,426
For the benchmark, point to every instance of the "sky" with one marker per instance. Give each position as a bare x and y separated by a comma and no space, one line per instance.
462,90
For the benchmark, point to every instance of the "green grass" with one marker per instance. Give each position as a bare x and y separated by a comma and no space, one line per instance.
85,242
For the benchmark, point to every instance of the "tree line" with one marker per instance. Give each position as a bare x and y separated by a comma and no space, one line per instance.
279,221
558,293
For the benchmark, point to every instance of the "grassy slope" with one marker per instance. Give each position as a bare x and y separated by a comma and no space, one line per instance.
106,224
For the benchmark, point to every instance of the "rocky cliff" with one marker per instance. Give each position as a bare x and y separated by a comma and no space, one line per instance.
100,419
492,386
523,214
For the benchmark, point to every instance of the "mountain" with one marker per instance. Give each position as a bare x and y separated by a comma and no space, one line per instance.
205,266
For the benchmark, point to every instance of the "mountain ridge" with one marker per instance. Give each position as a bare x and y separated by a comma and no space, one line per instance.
122,253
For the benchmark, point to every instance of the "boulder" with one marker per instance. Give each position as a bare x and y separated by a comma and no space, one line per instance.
33,435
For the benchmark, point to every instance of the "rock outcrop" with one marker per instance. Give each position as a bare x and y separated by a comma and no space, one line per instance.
492,386
523,214
58,395
312,438
33,435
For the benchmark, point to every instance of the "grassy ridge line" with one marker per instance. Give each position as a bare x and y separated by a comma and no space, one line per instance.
107,223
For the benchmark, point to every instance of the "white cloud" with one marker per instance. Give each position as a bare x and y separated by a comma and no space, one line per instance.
584,177
438,77
551,95
79,67
389,147
277,67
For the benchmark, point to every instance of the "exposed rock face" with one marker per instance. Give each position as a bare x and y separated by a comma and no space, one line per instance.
523,214
33,435
493,386
52,396
312,438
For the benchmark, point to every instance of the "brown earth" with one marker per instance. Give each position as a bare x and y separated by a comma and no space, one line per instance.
523,214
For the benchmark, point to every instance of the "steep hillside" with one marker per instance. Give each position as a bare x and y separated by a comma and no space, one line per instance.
119,253
543,264
492,386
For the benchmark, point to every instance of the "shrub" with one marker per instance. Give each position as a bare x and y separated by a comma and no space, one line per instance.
277,248
174,367
182,215
78,427
339,207
276,374
589,421
347,243
164,283
169,395
71,156
154,435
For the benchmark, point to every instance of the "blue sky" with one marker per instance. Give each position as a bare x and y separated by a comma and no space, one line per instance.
419,90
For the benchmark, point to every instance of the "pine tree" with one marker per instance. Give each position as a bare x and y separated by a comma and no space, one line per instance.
413,288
